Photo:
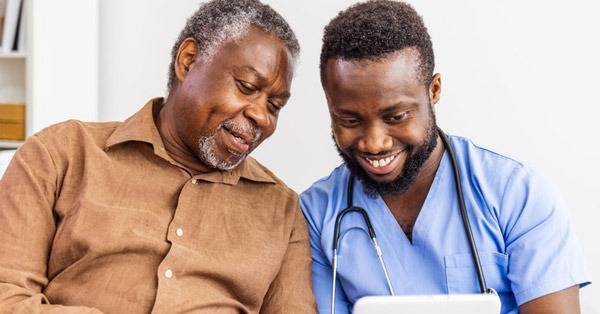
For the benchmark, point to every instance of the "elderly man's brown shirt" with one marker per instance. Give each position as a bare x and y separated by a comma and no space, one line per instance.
97,216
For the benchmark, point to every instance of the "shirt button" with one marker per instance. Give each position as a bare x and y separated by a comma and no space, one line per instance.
169,274
179,232
194,181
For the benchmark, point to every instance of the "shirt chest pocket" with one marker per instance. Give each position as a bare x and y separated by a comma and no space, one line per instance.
461,274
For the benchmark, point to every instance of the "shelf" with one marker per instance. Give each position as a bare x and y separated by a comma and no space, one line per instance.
13,55
6,144
26,76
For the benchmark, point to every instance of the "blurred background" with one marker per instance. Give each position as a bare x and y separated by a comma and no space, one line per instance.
519,77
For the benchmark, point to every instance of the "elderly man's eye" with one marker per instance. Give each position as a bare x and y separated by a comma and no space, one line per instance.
274,106
245,87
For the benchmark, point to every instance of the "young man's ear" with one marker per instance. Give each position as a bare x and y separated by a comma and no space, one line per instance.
435,89
186,57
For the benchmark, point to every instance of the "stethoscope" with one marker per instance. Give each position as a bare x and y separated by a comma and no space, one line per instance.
351,208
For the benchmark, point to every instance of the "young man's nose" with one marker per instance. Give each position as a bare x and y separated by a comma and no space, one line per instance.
375,141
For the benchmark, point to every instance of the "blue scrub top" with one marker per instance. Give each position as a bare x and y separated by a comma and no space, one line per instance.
520,225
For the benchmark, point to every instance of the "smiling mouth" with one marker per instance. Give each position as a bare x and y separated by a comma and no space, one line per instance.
238,144
238,136
380,165
377,163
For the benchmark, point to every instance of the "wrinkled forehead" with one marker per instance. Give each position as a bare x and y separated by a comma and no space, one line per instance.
255,48
240,34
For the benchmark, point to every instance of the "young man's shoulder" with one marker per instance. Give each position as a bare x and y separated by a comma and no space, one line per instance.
488,167
474,153
330,184
326,196
504,184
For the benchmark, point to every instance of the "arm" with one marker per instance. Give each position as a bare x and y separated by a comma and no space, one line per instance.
546,267
564,301
322,271
291,290
322,278
27,195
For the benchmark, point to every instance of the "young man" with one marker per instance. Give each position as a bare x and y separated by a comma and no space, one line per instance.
377,72
164,212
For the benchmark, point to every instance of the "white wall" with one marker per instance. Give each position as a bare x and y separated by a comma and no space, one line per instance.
518,76
135,44
62,63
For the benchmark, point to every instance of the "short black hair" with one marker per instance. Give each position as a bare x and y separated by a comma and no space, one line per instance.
220,20
372,30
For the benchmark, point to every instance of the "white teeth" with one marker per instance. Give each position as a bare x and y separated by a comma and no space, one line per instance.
380,162
241,140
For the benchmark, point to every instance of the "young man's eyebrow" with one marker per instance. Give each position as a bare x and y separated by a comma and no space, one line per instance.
399,106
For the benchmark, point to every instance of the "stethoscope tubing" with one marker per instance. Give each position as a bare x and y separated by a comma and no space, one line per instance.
463,213
371,231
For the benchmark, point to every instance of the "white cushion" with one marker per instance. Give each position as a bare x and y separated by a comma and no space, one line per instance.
5,157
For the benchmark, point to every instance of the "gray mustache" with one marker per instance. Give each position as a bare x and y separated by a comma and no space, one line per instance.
246,129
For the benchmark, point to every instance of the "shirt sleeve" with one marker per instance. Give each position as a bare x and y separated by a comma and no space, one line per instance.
322,272
544,255
291,290
27,193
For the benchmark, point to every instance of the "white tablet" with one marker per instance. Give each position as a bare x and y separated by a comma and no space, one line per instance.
429,304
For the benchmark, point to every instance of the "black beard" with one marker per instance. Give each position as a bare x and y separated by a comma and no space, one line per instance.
412,165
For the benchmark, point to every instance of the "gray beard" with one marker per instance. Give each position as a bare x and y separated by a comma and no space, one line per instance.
207,145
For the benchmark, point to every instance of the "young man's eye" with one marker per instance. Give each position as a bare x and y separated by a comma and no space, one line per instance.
349,122
398,117
245,87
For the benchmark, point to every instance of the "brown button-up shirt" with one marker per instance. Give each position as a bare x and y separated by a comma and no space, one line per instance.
97,217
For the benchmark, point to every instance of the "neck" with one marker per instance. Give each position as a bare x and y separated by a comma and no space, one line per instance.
174,145
410,202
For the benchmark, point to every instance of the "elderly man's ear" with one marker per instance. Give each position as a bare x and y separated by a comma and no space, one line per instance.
186,57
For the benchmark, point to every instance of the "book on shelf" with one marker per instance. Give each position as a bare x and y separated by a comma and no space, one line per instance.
12,121
10,26
2,9
20,37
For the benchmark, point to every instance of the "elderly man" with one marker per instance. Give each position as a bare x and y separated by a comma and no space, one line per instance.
164,212
377,71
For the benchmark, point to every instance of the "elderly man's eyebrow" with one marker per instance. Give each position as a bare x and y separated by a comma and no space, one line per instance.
259,77
283,95
262,80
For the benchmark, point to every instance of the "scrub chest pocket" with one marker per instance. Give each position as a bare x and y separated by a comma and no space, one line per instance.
461,275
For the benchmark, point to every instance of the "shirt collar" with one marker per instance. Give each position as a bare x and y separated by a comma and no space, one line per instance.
141,128
249,169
